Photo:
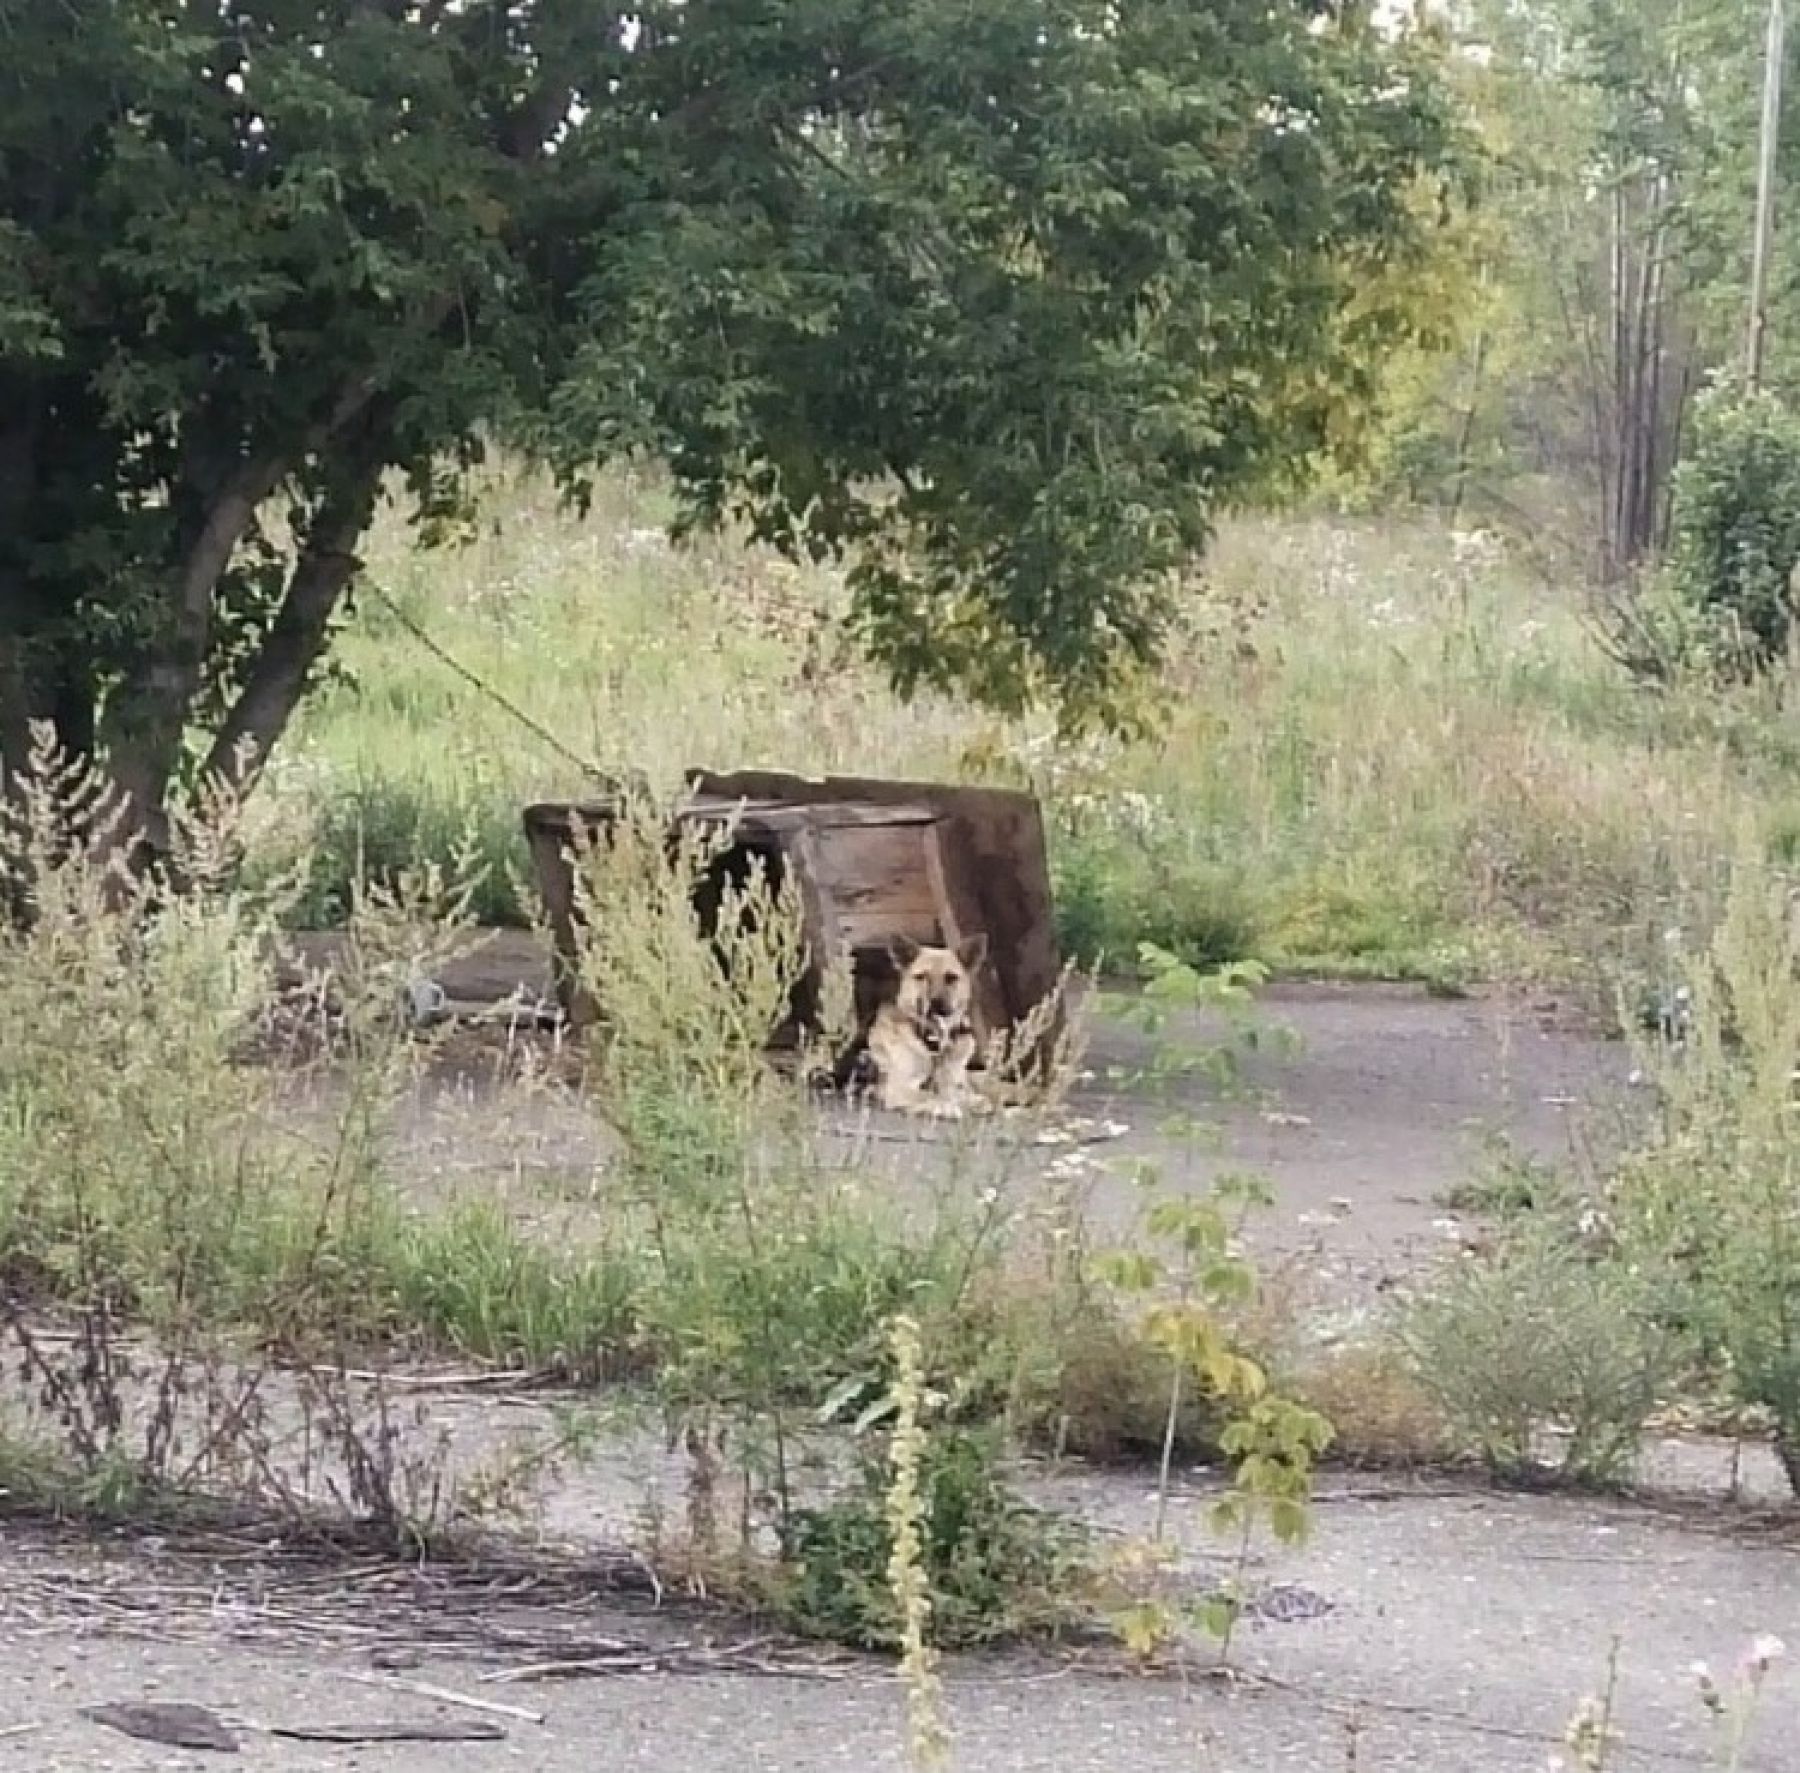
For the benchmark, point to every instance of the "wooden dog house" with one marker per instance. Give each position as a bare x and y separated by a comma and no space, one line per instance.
872,860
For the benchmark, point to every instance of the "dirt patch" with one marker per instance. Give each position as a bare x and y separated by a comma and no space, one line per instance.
1384,1101
1363,1106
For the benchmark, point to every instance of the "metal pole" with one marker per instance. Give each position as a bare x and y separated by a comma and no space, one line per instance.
1765,194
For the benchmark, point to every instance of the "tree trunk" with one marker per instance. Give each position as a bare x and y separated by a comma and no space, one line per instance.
284,663
15,710
147,716
1465,439
1787,1451
18,487
1636,403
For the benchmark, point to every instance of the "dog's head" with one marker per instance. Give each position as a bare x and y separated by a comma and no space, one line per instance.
936,984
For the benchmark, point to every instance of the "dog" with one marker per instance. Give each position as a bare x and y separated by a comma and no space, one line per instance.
922,1039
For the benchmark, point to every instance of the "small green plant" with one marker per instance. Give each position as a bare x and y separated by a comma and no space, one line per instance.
994,1566
1510,1184
1190,1287
1190,1276
1537,1339
1172,983
908,1523
1191,1280
1276,1444
1224,995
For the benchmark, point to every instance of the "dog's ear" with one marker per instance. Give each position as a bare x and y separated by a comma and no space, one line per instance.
902,951
972,951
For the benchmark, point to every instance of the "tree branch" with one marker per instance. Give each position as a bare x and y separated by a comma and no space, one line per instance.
235,505
530,126
148,716
291,648
547,104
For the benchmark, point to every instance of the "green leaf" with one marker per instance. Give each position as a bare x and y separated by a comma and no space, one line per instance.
1217,1616
1288,1519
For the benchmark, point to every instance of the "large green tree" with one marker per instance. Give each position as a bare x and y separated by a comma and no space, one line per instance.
999,302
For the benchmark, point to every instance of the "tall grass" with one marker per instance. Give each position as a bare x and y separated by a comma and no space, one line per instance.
151,1170
1388,747
207,1254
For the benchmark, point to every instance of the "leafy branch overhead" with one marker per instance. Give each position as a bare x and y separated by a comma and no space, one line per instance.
1000,304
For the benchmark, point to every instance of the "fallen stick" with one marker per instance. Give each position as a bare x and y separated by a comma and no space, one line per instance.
621,1662
599,1650
482,1379
425,1690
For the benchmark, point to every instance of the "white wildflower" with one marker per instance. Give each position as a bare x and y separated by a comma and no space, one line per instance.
1765,1648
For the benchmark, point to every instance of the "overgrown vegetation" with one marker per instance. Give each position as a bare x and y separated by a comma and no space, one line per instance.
1709,1209
842,379
151,1172
1675,1271
1389,749
210,1257
1724,604
198,1272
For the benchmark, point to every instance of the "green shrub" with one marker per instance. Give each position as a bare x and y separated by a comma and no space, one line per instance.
1736,525
994,1565
1112,896
1541,1340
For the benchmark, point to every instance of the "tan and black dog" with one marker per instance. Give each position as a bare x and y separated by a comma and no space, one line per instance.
922,1038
